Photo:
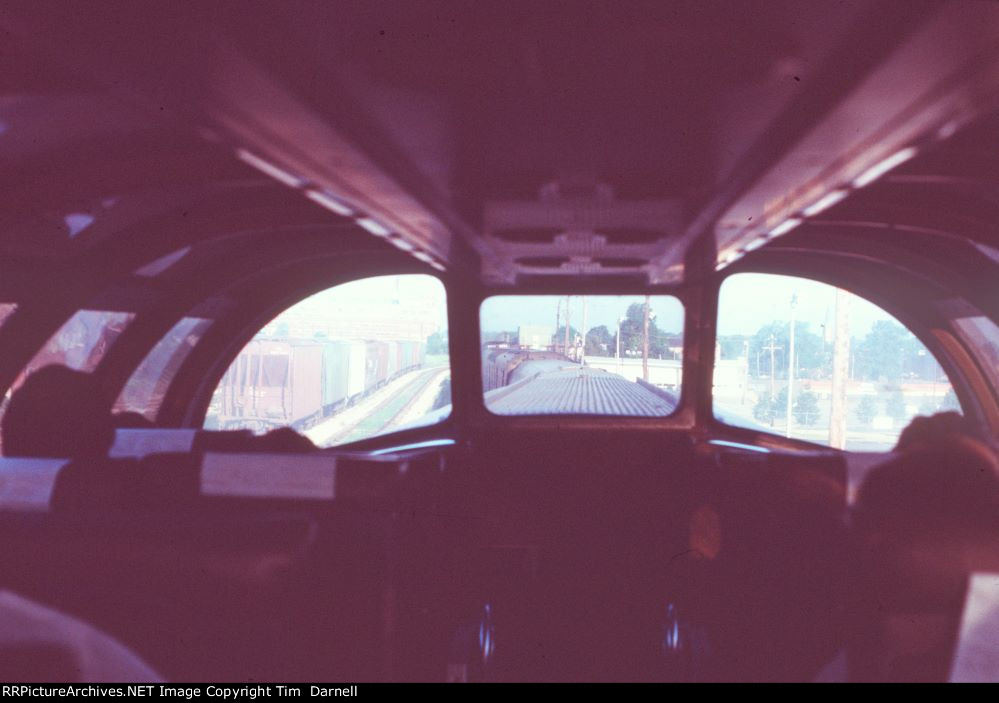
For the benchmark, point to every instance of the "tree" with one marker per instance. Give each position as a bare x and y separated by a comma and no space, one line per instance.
764,409
806,408
632,329
599,342
811,357
885,352
560,335
732,345
866,410
781,404
632,332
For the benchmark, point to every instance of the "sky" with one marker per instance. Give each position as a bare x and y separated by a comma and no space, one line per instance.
508,312
748,301
426,290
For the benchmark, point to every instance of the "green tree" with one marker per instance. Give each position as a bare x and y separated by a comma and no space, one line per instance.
732,345
632,331
780,404
885,352
764,410
560,336
806,408
599,342
811,357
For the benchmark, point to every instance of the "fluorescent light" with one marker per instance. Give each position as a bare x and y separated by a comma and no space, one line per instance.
756,243
882,167
266,167
329,202
729,258
825,202
401,243
785,226
427,258
374,226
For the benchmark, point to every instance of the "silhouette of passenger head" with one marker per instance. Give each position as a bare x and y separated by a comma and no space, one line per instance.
283,439
929,431
58,412
924,521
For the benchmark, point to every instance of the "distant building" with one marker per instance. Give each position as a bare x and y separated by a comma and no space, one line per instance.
535,336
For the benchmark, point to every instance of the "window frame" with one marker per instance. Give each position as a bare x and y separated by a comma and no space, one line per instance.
478,418
581,416
939,336
187,400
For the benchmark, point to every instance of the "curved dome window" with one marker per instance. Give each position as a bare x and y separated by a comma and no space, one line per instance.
361,359
803,359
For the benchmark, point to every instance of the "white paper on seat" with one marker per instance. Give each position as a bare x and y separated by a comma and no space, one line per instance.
976,656
268,476
27,483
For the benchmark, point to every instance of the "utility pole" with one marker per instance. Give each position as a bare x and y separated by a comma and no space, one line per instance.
645,342
565,349
772,348
582,353
558,321
840,371
745,369
790,368
618,354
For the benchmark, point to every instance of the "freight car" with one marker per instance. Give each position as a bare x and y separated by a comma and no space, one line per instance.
278,383
500,363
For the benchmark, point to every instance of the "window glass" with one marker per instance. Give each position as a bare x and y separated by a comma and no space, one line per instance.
536,359
807,360
358,360
82,341
80,344
145,389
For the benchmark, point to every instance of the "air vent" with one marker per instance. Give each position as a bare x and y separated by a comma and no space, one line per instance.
528,235
546,262
630,235
621,262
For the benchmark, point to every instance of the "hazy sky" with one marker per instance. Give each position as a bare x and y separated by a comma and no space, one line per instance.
507,313
425,290
749,301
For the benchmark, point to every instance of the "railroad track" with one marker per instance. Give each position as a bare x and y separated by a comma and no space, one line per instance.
389,410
